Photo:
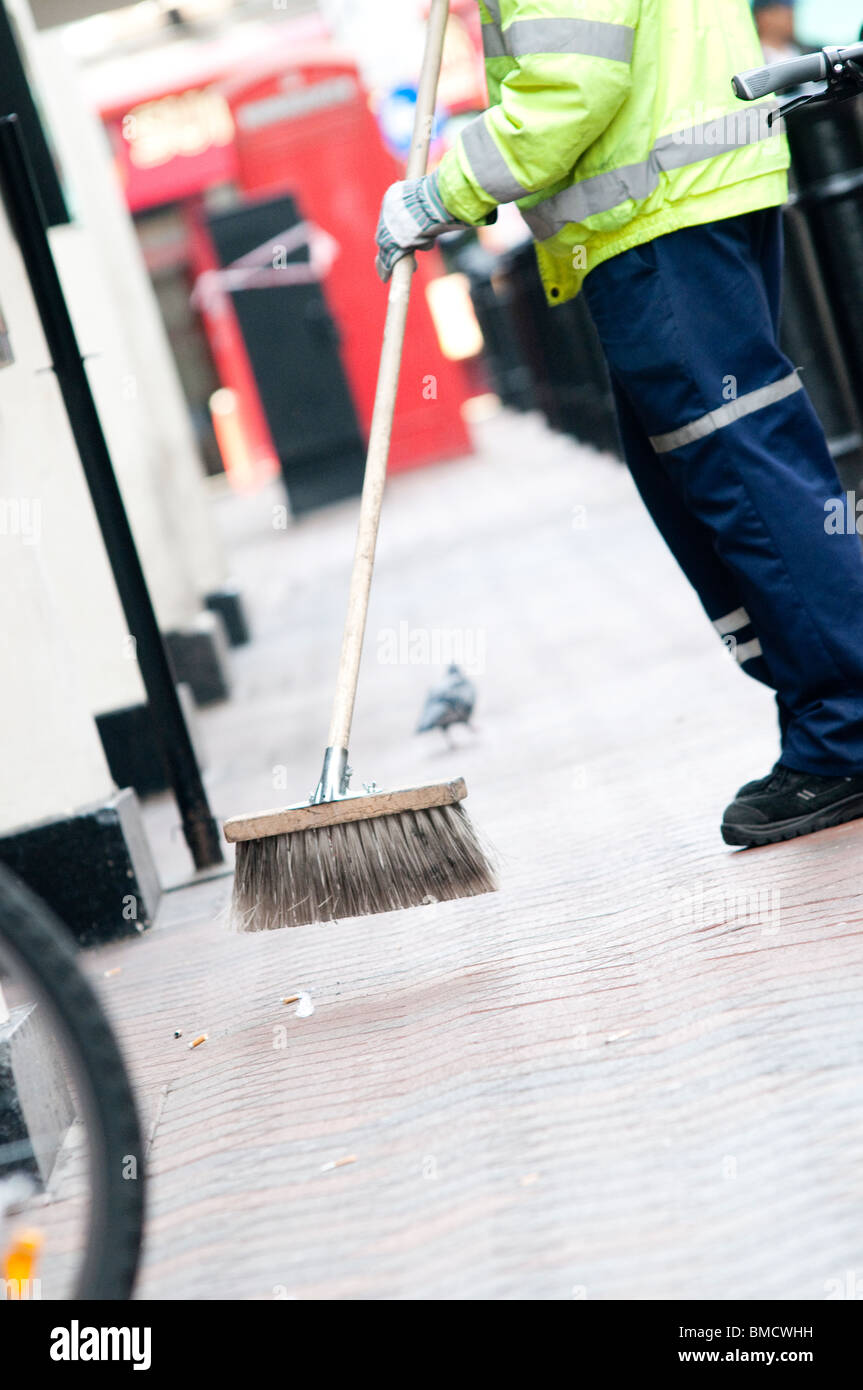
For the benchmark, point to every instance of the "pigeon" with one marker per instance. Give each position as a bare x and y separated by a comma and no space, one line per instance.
449,703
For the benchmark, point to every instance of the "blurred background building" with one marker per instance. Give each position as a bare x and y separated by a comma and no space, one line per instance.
232,125
253,143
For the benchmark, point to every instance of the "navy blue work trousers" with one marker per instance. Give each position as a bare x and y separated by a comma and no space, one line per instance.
726,449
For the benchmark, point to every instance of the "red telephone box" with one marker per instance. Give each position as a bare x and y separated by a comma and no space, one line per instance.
304,126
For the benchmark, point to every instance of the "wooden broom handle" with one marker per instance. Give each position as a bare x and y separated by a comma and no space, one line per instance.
385,400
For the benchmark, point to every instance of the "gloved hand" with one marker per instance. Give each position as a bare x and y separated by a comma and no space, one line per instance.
412,215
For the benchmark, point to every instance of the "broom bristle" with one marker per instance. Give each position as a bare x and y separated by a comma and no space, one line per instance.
357,868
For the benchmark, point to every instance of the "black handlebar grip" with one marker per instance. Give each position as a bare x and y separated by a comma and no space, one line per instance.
757,82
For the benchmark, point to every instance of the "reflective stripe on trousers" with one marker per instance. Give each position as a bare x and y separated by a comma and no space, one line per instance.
729,627
714,420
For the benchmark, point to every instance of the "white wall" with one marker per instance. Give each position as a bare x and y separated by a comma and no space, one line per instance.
116,387
51,757
185,556
130,365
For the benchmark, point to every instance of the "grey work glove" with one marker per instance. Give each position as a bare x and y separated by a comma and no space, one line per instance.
412,215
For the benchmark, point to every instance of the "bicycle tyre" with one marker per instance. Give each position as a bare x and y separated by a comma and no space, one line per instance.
35,942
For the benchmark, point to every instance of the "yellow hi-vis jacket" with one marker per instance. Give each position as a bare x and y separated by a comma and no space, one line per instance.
613,122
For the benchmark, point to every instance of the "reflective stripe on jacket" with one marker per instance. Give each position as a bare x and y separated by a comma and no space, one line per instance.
612,122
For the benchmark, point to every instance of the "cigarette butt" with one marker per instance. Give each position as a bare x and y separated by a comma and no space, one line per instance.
338,1163
291,999
529,1179
116,971
196,1042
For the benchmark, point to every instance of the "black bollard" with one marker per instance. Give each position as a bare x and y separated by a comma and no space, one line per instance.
809,337
827,153
562,349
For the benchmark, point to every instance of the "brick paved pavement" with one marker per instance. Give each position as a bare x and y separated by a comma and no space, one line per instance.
635,1072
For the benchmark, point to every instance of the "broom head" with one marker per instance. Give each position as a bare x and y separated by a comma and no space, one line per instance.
355,856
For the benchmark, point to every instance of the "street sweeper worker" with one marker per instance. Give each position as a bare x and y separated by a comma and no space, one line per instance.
649,187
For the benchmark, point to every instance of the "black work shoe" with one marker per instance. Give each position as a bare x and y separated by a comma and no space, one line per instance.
787,803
